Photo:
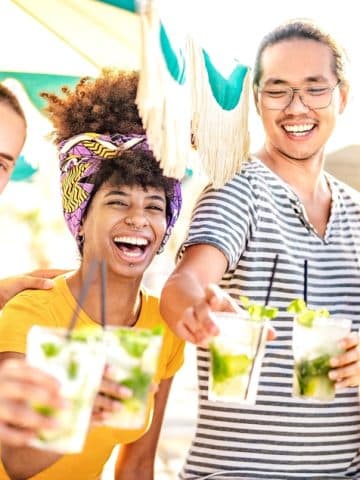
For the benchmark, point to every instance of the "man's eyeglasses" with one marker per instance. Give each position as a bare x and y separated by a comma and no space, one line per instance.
315,97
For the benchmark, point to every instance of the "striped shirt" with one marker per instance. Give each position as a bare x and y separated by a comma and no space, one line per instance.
251,219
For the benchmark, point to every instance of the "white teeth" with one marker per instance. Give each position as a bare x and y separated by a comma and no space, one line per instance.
298,128
132,240
133,255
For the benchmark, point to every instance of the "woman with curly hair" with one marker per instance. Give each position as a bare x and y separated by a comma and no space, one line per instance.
120,208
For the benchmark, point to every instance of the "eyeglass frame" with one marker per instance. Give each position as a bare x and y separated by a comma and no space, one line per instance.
299,90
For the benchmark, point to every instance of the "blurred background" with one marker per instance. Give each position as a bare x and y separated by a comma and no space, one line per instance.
50,43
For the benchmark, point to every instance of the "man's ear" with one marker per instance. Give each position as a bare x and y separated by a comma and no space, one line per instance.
344,96
256,98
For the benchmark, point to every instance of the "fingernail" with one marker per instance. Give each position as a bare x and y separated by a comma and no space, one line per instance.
332,375
48,283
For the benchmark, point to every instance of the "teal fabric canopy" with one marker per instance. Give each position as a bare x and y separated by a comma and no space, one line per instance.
34,83
125,4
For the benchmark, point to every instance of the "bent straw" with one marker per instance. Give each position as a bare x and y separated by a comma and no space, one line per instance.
83,292
271,279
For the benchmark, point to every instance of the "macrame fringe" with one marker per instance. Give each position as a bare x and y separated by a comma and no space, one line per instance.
221,136
164,104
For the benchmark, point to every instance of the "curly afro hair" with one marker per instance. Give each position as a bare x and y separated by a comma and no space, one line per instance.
104,105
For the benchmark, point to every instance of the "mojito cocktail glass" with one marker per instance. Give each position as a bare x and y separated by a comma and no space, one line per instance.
235,357
314,343
77,361
132,355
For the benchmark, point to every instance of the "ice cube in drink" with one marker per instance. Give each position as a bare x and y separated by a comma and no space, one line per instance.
235,357
77,363
132,355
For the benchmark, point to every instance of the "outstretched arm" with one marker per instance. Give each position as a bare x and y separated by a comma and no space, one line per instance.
189,294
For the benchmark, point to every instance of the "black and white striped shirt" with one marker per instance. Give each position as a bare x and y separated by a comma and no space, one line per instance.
251,219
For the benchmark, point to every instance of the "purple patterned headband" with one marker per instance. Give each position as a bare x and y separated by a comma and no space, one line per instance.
81,157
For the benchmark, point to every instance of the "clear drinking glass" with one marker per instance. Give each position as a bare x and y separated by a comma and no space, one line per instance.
313,346
132,355
77,362
235,357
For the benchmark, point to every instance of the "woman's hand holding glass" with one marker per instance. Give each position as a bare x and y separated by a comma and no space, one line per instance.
22,387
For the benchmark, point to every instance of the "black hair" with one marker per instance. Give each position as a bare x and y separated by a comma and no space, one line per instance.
302,29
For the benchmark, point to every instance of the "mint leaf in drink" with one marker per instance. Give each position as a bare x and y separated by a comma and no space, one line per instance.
45,410
50,349
320,387
86,333
134,341
72,369
157,330
297,306
226,366
258,312
139,382
245,302
304,315
312,376
306,318
132,405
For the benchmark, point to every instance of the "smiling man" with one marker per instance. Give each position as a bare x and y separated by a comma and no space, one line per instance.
282,203
12,139
12,133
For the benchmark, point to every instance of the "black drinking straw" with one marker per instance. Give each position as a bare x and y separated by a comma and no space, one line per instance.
103,292
305,280
83,292
271,279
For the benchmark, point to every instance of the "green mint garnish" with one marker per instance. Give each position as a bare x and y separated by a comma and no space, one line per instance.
297,306
44,410
258,312
157,330
50,349
73,368
136,341
304,315
86,333
132,405
138,382
309,373
225,366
